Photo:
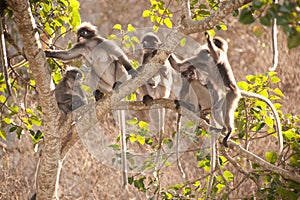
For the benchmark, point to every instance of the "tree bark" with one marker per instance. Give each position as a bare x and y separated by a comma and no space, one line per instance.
42,74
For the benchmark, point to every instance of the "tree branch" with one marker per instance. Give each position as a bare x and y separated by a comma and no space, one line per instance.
268,166
226,7
51,115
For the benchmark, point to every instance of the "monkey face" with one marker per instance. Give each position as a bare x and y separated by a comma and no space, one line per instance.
85,33
190,74
150,42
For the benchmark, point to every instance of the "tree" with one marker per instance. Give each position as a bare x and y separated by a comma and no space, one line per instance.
57,139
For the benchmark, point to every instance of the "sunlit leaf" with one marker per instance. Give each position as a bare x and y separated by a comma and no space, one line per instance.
175,187
132,138
269,122
130,28
168,22
243,85
147,13
7,120
2,98
271,157
275,79
278,92
3,134
141,139
117,27
133,121
143,124
183,42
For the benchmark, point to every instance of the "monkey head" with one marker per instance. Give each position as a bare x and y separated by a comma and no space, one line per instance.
86,31
73,74
190,74
150,42
221,43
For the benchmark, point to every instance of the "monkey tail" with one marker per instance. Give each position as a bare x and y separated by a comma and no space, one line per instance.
275,113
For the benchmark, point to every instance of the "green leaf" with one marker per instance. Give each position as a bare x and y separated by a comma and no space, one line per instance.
7,120
14,109
246,16
251,78
183,42
117,27
155,28
130,28
287,194
293,40
271,157
3,134
143,124
112,37
12,129
147,13
278,92
130,180
189,124
243,85
228,175
135,39
275,79
141,139
175,187
264,93
168,22
269,121
2,98
266,20
133,121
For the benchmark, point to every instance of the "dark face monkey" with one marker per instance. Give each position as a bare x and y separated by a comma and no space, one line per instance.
110,65
68,93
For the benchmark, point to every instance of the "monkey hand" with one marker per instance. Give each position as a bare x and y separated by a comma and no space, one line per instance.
206,35
147,99
98,94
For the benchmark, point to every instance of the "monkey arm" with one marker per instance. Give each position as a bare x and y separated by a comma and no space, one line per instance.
75,52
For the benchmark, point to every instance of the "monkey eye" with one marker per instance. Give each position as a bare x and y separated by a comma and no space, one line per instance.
78,76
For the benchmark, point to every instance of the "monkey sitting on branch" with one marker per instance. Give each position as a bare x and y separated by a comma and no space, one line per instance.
68,93
213,66
110,65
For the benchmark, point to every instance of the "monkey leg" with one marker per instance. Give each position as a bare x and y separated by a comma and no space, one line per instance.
117,85
232,99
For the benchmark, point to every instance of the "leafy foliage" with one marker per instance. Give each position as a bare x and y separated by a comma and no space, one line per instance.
26,116
286,13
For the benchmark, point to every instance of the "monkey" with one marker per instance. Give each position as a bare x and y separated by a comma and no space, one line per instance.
218,48
68,93
213,67
193,93
159,85
110,65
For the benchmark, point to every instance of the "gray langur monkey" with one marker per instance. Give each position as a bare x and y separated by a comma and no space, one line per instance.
218,48
159,86
193,94
110,65
212,65
68,93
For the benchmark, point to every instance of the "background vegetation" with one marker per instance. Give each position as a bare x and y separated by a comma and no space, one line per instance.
248,31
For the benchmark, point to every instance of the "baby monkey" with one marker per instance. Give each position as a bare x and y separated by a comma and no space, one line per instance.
68,93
